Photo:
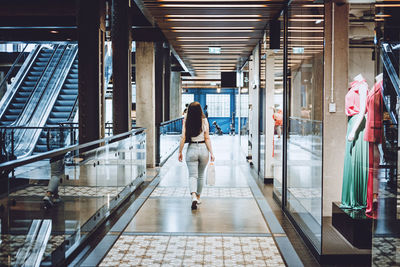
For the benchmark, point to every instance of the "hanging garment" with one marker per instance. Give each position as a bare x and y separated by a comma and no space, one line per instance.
374,135
355,170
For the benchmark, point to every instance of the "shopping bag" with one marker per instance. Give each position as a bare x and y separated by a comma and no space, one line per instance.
210,179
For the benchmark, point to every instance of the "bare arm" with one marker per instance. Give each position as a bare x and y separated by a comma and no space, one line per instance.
208,141
363,106
182,143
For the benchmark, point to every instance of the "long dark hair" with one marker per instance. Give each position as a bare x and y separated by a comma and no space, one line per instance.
194,120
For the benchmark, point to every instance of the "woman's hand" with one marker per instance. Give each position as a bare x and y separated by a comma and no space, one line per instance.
180,157
212,157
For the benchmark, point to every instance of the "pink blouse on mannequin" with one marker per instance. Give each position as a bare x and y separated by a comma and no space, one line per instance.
352,100
373,128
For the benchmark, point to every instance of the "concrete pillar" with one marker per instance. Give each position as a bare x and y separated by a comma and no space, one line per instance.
269,121
147,114
91,29
335,79
167,84
122,66
175,97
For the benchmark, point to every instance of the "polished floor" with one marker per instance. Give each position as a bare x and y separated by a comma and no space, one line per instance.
233,226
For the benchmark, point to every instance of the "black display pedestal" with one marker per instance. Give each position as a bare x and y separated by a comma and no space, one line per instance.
353,225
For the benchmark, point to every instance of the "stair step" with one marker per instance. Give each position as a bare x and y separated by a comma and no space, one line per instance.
59,115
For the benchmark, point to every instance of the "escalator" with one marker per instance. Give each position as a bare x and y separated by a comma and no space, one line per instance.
24,89
63,108
391,97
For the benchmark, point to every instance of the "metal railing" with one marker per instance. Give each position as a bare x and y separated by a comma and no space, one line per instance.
115,165
169,138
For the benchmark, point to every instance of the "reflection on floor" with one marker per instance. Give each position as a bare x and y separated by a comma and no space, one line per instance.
385,251
10,244
148,250
227,229
77,191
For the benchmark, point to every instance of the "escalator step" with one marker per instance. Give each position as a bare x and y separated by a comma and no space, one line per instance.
23,94
26,89
61,109
70,86
10,117
66,97
28,83
73,92
12,111
17,105
65,102
41,148
20,99
32,78
36,73
59,115
55,121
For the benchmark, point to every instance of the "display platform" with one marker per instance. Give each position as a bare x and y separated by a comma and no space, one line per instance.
353,225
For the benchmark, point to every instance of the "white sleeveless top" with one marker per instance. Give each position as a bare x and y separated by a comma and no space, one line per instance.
204,128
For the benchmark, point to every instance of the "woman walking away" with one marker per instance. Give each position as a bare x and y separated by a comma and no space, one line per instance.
195,132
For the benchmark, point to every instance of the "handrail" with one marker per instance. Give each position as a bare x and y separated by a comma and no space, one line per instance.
13,66
36,86
170,121
7,166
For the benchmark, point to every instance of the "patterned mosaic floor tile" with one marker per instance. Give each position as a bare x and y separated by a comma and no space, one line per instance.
193,251
80,191
305,192
212,192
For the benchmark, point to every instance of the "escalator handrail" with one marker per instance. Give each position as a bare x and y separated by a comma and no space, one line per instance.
58,85
19,78
13,66
16,122
391,114
390,70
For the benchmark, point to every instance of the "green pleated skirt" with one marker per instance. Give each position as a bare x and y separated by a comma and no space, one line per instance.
355,171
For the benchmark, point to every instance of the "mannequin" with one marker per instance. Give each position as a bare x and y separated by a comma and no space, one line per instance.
355,171
374,137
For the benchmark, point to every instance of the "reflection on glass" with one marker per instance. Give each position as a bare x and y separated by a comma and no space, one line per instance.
304,150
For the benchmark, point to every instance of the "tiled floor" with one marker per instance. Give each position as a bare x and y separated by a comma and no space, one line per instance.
152,250
227,229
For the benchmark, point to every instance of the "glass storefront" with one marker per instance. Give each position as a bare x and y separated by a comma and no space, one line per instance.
304,112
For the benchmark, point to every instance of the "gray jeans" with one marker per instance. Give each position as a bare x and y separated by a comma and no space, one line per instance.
196,160
56,174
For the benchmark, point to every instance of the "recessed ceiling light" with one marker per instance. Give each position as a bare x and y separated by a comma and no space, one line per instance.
216,31
211,28
216,20
54,31
214,40
213,37
213,16
213,6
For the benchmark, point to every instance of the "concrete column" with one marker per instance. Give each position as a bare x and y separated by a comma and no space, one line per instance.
269,122
334,124
122,66
91,29
175,97
167,84
146,96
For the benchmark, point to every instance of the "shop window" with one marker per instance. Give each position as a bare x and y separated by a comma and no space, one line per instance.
187,99
218,105
244,103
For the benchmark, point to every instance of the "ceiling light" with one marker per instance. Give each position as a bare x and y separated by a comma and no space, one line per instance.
214,50
204,45
387,5
215,20
212,16
308,16
211,28
214,40
54,31
212,37
216,31
305,20
383,15
213,6
312,5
